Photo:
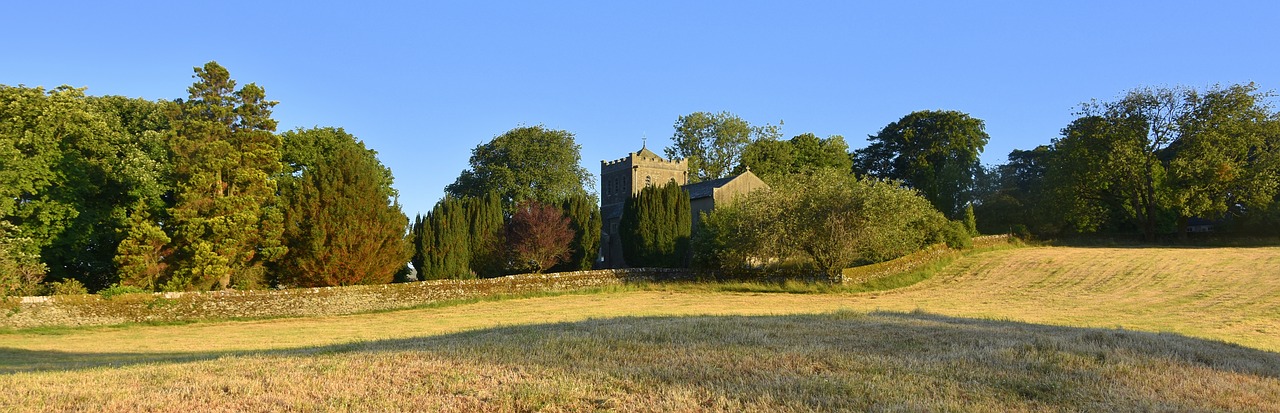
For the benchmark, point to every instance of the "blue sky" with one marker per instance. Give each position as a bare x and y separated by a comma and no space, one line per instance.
424,82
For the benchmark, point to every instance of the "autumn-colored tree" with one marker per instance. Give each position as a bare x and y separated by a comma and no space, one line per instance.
538,236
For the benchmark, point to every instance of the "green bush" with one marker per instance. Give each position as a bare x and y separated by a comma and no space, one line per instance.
118,290
956,235
70,286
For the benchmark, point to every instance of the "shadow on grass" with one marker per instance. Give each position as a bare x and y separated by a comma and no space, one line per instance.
876,333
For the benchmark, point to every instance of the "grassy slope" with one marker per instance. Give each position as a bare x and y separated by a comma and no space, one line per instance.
452,357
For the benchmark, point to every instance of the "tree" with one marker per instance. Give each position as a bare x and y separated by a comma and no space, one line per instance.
935,152
805,153
1227,156
446,241
831,218
1018,196
140,256
713,143
539,236
656,227
342,225
226,157
525,163
486,224
584,218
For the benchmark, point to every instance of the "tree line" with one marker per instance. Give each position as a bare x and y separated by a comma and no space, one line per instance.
202,193
190,194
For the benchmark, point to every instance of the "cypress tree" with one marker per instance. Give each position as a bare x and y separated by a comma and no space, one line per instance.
421,240
656,226
485,221
449,254
584,219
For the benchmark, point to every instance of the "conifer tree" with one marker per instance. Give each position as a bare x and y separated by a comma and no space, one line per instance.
421,240
140,255
225,156
584,218
342,224
446,242
656,226
485,221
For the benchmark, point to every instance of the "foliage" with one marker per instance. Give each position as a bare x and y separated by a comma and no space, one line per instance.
342,225
525,163
771,158
538,237
834,219
584,218
442,242
140,255
486,223
116,290
935,152
1020,195
656,227
970,221
20,271
226,158
713,143
64,287
1159,155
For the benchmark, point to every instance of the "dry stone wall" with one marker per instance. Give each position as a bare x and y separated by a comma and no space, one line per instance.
81,310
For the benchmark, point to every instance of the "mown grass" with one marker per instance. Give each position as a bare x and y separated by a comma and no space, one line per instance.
837,361
1029,329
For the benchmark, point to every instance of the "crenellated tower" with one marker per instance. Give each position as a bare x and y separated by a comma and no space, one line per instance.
620,179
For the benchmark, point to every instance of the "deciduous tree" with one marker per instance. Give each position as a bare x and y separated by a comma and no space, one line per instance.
525,163
935,152
712,143
539,236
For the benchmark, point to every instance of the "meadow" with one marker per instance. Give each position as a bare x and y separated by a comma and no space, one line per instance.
1024,329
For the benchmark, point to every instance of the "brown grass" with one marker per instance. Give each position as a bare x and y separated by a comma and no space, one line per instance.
760,351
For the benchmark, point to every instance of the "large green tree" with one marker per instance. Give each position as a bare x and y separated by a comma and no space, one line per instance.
525,163
342,224
933,151
829,217
226,157
713,143
805,153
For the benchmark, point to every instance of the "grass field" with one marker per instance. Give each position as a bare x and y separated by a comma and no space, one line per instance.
1029,329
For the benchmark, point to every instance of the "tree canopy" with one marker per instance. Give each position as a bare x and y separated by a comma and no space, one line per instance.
713,143
805,153
935,152
525,163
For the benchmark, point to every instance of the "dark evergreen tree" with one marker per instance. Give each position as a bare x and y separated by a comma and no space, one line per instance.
448,246
656,226
421,240
485,222
342,224
584,218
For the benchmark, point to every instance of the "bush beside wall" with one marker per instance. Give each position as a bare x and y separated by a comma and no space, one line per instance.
83,310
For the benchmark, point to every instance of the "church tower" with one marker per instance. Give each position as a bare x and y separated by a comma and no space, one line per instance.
624,178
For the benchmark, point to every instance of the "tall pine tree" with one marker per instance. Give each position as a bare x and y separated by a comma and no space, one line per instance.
225,156
656,226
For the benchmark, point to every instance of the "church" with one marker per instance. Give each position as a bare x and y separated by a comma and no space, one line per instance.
623,178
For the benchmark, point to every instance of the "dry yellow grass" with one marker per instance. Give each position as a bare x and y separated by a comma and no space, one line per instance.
454,358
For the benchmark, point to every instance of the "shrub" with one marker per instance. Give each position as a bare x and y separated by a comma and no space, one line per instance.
956,235
70,286
118,290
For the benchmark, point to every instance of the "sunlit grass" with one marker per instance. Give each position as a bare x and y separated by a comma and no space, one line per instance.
725,347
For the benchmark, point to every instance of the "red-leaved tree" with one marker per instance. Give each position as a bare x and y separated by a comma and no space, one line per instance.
538,236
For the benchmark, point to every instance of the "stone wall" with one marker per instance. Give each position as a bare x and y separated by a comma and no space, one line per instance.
81,310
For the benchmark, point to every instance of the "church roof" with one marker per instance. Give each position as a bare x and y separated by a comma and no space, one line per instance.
646,153
707,188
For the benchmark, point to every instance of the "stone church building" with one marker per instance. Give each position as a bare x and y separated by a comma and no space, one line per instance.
624,178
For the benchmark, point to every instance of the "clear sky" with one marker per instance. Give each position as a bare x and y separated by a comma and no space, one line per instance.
424,82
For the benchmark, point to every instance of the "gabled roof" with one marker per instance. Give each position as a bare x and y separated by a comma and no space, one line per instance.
706,189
